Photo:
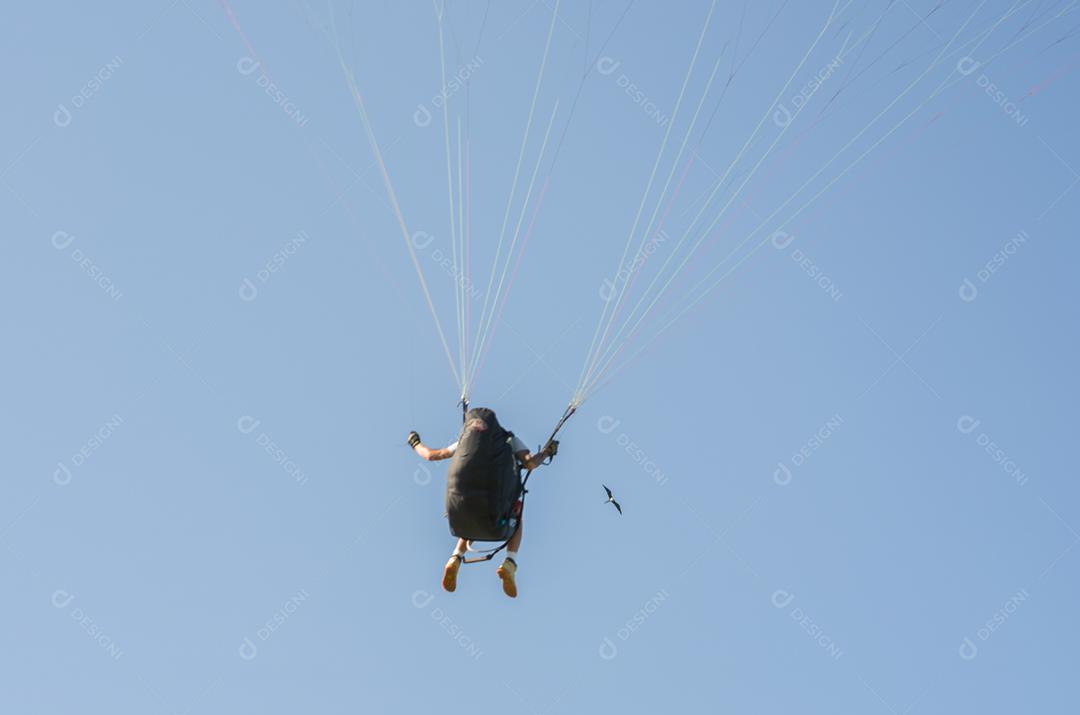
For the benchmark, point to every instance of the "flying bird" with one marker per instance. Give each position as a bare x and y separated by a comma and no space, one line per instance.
611,498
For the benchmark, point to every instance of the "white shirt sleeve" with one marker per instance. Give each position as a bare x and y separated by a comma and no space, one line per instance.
516,445
452,448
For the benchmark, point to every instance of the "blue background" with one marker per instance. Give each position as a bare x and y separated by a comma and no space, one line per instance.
132,584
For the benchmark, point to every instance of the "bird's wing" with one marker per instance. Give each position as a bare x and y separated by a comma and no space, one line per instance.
609,494
617,506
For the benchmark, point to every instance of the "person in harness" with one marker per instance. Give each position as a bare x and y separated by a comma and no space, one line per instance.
484,489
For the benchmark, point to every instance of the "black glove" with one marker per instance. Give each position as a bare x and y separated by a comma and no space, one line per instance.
414,439
552,448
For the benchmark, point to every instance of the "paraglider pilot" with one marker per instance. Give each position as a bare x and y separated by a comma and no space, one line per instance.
484,489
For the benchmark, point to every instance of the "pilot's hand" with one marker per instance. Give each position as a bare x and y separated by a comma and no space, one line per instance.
414,439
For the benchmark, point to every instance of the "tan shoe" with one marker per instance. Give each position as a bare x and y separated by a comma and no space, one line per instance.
506,572
449,574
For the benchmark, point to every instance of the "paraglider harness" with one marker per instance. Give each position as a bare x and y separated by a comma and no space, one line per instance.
519,507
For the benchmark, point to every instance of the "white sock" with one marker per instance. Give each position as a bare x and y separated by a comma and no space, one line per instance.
512,555
458,551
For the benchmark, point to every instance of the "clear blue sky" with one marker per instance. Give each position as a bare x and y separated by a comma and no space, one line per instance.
848,471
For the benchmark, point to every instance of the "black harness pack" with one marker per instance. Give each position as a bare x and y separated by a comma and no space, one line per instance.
483,483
